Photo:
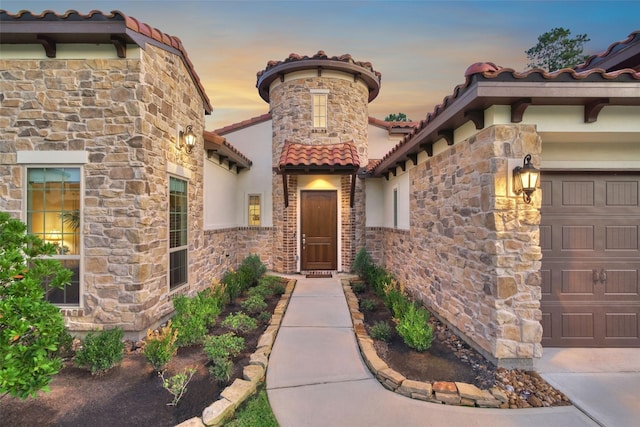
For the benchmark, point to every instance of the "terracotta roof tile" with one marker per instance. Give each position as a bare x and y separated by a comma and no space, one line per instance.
593,60
293,57
296,155
131,23
391,125
214,140
490,71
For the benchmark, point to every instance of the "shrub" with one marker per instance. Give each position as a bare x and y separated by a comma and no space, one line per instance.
254,304
358,287
177,384
65,347
240,322
219,350
361,263
261,291
101,351
397,302
414,329
232,284
264,317
31,328
225,346
251,269
160,346
367,305
273,283
381,331
195,315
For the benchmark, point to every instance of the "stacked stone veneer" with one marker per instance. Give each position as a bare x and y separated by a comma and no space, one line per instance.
125,114
291,111
472,253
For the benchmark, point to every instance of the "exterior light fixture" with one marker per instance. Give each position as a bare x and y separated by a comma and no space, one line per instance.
526,179
188,139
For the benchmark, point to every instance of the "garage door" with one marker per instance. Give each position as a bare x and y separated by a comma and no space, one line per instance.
589,236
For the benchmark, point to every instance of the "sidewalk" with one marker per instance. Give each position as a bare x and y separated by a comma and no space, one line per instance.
316,377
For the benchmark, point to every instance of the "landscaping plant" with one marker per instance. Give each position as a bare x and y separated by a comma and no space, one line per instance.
254,304
177,384
367,305
160,346
414,328
194,315
381,331
251,270
240,322
101,351
219,350
255,412
31,328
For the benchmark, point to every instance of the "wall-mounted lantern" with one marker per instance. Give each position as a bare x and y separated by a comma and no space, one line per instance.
526,179
187,139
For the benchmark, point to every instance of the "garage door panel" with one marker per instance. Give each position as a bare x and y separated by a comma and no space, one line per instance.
590,241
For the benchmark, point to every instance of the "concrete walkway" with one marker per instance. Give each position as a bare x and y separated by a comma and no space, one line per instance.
316,377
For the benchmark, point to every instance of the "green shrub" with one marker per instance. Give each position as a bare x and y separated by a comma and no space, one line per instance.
101,351
414,328
381,331
160,346
240,322
233,284
31,328
221,370
251,270
261,291
177,384
367,305
225,346
358,287
254,304
264,316
361,263
194,315
65,347
397,302
273,283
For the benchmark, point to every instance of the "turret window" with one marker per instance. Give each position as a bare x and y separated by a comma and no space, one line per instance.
320,97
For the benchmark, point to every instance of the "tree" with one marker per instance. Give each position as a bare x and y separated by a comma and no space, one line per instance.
30,327
400,117
556,50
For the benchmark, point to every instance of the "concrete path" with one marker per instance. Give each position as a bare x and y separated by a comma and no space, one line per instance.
316,377
603,382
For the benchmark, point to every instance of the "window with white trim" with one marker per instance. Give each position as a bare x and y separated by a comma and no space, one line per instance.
53,214
178,236
319,98
254,210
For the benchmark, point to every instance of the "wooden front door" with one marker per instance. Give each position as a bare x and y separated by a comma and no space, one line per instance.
590,239
319,230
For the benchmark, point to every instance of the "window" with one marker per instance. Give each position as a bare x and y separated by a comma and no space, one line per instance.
53,214
254,209
320,109
178,260
395,208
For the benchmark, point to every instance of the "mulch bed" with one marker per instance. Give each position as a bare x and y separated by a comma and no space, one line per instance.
132,393
451,359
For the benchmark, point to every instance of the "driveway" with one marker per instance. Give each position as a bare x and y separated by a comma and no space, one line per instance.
604,383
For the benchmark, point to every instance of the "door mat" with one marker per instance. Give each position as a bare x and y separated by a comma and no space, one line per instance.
318,275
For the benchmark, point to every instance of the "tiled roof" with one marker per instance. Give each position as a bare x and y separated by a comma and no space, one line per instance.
243,124
160,39
595,60
402,126
329,156
321,61
222,147
487,71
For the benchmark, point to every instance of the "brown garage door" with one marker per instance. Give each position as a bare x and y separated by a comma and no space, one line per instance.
589,236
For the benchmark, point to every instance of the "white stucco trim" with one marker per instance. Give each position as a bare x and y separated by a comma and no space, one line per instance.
53,157
67,51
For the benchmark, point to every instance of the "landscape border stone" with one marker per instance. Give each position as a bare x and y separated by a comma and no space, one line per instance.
240,390
443,392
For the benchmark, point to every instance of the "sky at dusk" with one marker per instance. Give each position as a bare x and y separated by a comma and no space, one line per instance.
422,48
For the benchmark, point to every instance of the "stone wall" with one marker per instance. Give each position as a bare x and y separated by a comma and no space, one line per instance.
291,110
472,253
125,114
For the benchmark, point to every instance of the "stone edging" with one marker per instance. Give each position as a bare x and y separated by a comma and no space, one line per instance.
450,393
234,395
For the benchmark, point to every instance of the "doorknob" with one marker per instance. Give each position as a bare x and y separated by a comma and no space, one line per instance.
596,276
603,277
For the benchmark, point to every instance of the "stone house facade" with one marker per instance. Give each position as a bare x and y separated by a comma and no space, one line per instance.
314,180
